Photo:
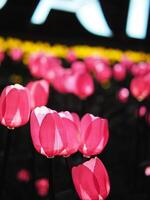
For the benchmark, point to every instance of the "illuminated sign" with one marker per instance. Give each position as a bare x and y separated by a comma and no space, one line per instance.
90,15
137,20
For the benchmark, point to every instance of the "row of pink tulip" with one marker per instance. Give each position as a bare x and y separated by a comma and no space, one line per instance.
61,134
78,78
52,133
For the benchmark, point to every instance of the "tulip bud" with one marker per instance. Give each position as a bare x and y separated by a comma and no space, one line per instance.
14,106
123,95
102,72
39,93
83,85
94,135
119,72
16,54
78,67
139,88
71,56
54,133
91,180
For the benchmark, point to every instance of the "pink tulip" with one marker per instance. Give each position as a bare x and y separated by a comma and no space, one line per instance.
44,66
94,135
39,93
71,56
42,187
123,95
54,133
78,67
140,69
119,72
14,106
139,88
91,180
142,111
92,61
83,85
16,54
79,84
64,81
102,72
23,175
126,62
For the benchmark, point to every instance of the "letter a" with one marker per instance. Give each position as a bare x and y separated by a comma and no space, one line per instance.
88,12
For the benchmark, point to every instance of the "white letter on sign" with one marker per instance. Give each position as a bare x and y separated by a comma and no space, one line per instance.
88,12
2,3
137,20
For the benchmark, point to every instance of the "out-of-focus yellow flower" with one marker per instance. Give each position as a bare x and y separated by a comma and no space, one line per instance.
81,51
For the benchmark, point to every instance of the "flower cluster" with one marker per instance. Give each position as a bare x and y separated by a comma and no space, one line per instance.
63,133
58,134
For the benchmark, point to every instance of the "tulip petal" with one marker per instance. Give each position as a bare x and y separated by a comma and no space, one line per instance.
9,107
50,138
95,137
24,106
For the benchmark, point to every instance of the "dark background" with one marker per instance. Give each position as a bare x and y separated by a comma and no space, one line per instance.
128,150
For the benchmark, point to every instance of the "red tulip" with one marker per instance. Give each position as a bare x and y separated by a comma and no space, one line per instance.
14,106
139,88
123,95
119,72
16,54
54,133
91,180
42,187
39,93
94,135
